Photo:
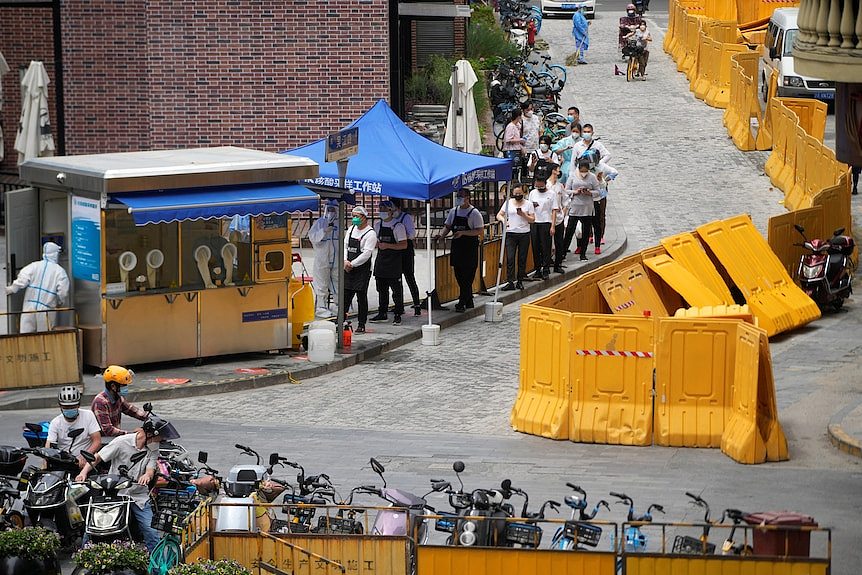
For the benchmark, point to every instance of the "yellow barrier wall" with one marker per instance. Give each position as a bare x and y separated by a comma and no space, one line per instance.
690,253
630,292
694,291
782,235
767,406
542,405
459,561
742,439
611,399
662,565
694,364
719,93
755,10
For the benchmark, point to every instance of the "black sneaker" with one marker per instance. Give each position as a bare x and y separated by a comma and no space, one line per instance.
417,310
360,329
397,320
519,285
459,307
559,270
379,318
468,305
508,287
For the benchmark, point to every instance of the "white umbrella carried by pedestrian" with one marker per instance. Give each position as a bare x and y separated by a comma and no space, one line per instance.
462,126
34,137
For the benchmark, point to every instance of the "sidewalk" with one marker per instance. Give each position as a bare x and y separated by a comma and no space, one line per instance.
250,371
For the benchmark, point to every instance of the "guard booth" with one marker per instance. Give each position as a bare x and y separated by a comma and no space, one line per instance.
171,255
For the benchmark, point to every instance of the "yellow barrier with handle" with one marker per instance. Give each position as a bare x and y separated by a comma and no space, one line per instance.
687,249
741,439
719,93
743,104
783,237
755,10
780,128
692,38
685,283
630,292
764,132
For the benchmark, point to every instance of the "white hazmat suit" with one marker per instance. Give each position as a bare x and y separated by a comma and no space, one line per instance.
324,239
47,287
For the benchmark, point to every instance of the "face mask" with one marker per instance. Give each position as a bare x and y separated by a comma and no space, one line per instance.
543,147
461,200
576,136
124,391
518,197
541,190
570,118
631,14
153,446
643,29
356,220
70,413
583,173
588,136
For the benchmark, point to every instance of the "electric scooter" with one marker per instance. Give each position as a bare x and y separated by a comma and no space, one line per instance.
576,532
826,272
108,511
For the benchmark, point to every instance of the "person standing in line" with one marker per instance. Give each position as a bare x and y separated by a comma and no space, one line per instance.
541,157
391,243
584,188
513,143
542,228
532,126
590,144
573,117
565,147
408,260
517,215
466,223
562,199
581,34
360,241
604,174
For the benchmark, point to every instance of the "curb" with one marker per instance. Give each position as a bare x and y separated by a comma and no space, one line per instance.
287,376
843,441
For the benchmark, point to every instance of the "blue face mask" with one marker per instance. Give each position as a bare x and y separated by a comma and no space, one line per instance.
70,413
587,136
570,118
124,391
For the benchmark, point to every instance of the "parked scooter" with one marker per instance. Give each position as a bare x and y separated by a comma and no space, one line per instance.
525,534
10,518
480,515
51,499
12,462
242,481
299,504
576,532
108,511
635,539
826,272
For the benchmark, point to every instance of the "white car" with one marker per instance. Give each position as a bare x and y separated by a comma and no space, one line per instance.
567,7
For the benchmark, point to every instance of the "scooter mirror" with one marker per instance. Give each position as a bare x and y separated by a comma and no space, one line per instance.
136,457
838,232
440,485
148,407
506,485
273,459
73,433
458,466
202,457
88,457
377,466
799,228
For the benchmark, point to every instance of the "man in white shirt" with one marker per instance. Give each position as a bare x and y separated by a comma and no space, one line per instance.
359,243
545,206
73,417
589,146
391,242
466,224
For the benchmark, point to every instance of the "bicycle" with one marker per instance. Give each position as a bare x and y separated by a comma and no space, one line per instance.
633,52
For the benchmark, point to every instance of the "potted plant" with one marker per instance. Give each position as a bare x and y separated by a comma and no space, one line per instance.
220,567
119,558
29,551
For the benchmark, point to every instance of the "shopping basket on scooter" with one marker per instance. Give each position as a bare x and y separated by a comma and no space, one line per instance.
584,533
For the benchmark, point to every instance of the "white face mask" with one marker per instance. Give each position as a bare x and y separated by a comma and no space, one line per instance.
543,147
151,447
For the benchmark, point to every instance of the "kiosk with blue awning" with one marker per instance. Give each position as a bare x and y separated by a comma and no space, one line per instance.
173,254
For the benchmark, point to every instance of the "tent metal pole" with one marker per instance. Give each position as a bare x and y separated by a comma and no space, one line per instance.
432,281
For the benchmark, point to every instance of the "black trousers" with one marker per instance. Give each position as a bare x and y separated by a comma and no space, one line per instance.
599,222
559,244
361,299
541,235
408,264
464,275
383,287
586,230
517,245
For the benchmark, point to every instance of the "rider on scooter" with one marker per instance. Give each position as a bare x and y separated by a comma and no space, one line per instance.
629,23
73,417
110,405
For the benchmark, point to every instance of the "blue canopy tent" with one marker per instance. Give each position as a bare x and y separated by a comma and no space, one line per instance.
395,161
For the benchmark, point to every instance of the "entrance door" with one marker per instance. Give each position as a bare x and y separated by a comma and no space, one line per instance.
22,242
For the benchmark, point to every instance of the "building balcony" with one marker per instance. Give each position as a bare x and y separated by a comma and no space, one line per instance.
829,42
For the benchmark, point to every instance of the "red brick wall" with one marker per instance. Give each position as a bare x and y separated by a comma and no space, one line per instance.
19,49
157,74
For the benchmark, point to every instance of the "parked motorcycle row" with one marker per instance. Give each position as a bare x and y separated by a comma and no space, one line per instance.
516,18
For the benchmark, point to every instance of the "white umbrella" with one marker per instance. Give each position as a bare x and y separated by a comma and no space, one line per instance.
462,126
4,69
34,130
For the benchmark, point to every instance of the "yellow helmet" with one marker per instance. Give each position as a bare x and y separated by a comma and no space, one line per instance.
118,374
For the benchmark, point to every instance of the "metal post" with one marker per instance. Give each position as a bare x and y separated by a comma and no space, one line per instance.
339,327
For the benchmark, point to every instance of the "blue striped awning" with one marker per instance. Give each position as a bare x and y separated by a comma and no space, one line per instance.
164,206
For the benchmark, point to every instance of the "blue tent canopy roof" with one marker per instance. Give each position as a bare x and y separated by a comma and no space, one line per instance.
395,161
164,206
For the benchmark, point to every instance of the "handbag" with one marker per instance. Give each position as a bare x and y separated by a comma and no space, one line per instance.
579,230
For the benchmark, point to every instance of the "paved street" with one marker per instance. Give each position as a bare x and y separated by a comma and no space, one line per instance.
419,408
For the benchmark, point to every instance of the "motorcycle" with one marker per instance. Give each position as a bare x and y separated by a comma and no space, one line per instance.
525,534
108,511
12,462
479,518
300,506
242,481
52,498
576,532
826,272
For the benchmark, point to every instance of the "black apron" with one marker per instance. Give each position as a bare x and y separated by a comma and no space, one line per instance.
408,256
388,262
356,279
465,249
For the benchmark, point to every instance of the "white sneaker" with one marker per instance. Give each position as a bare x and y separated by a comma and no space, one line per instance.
323,313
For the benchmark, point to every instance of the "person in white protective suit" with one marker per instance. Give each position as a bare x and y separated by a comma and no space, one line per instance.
327,257
47,287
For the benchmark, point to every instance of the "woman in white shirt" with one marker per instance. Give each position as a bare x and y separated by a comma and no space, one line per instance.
563,198
542,156
584,188
517,213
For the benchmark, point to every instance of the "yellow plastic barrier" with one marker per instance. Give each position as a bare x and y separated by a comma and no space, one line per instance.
637,564
764,132
835,201
786,177
721,10
612,365
754,10
777,302
767,406
692,290
782,236
811,115
542,406
740,312
807,155
690,253
676,46
436,560
701,77
694,373
743,103
692,39
719,93
780,128
741,439
630,292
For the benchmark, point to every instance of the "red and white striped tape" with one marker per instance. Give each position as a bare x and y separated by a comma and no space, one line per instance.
626,305
610,353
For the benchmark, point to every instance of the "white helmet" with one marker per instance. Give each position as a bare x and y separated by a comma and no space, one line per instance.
69,396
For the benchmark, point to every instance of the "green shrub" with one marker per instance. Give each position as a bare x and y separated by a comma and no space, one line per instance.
488,42
483,15
29,543
220,567
104,558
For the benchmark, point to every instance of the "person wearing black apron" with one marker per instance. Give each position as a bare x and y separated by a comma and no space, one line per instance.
391,242
360,242
465,222
408,256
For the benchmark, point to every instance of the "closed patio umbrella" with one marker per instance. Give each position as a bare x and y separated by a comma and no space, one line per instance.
34,137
